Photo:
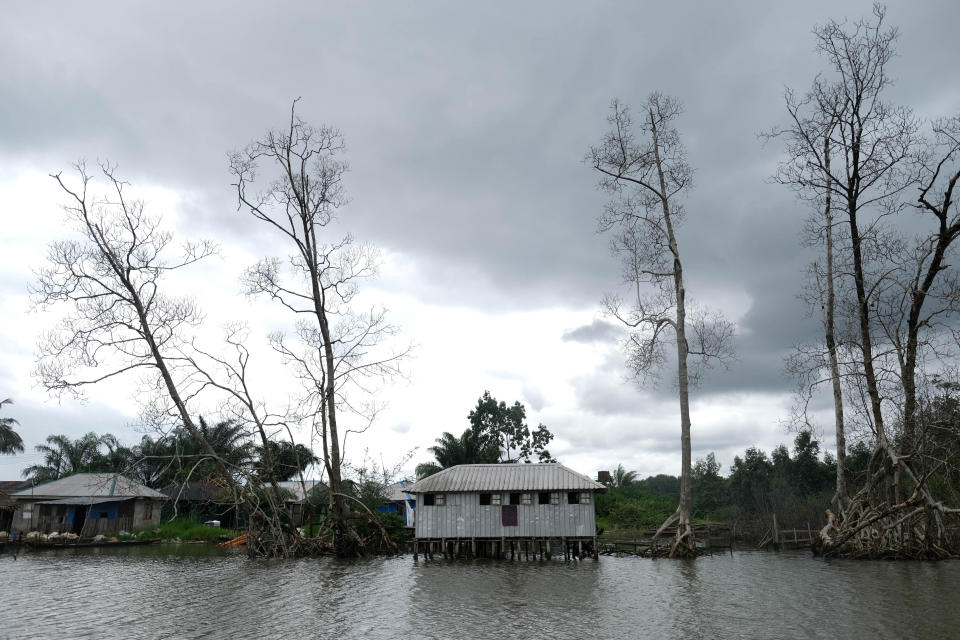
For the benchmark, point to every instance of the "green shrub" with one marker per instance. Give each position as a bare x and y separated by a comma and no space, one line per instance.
183,529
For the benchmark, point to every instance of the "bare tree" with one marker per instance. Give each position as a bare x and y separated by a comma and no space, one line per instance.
644,168
847,143
336,349
119,320
808,362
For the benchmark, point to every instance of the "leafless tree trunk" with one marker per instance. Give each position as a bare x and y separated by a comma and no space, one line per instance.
880,156
646,177
829,322
339,347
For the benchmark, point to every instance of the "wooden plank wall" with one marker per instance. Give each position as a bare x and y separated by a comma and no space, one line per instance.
464,517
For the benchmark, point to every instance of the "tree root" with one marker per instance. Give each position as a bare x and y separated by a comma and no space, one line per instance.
683,545
873,526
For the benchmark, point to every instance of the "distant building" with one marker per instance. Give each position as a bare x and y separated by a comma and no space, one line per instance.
7,504
87,504
200,500
506,502
400,501
302,493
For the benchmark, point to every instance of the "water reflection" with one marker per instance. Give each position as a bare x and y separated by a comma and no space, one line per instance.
199,592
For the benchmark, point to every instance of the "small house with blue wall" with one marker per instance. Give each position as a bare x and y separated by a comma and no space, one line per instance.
400,501
87,504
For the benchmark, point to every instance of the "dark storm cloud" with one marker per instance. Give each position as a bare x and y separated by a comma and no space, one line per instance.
466,128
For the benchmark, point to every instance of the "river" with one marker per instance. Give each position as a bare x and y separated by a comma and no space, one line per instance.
188,591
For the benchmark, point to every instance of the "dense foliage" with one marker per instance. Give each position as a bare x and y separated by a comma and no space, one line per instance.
796,487
168,460
497,433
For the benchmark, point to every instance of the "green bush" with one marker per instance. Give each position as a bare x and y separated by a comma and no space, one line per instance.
182,529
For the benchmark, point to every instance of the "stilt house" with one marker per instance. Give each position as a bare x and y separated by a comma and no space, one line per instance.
506,503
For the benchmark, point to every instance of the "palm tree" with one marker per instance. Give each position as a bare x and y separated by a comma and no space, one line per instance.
470,448
288,459
10,440
230,441
63,457
621,478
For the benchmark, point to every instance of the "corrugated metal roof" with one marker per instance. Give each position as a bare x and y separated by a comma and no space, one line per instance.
87,500
9,486
89,485
507,477
297,488
397,492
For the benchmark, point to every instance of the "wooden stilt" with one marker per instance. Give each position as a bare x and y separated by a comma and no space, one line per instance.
579,549
596,551
549,555
473,547
416,549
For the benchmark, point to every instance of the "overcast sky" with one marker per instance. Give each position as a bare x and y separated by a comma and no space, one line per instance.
466,127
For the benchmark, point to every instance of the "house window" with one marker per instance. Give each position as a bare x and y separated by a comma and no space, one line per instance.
496,498
514,498
148,511
434,499
552,497
585,497
526,498
573,497
440,499
485,499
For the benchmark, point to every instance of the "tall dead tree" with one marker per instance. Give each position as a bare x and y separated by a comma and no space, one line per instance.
119,318
336,349
644,169
808,363
846,140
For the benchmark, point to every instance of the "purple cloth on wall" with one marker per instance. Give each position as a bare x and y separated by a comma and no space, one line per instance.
508,515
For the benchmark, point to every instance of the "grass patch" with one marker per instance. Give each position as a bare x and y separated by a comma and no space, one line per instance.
182,529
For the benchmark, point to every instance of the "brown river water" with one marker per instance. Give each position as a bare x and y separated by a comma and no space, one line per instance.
188,591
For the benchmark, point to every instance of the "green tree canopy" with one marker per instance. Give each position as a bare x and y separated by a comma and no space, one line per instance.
10,440
506,427
470,448
287,459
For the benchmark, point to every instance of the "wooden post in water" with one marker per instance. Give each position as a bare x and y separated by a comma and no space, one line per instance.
579,549
596,551
416,549
776,532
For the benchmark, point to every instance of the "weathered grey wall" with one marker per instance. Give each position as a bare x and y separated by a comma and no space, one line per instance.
464,517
